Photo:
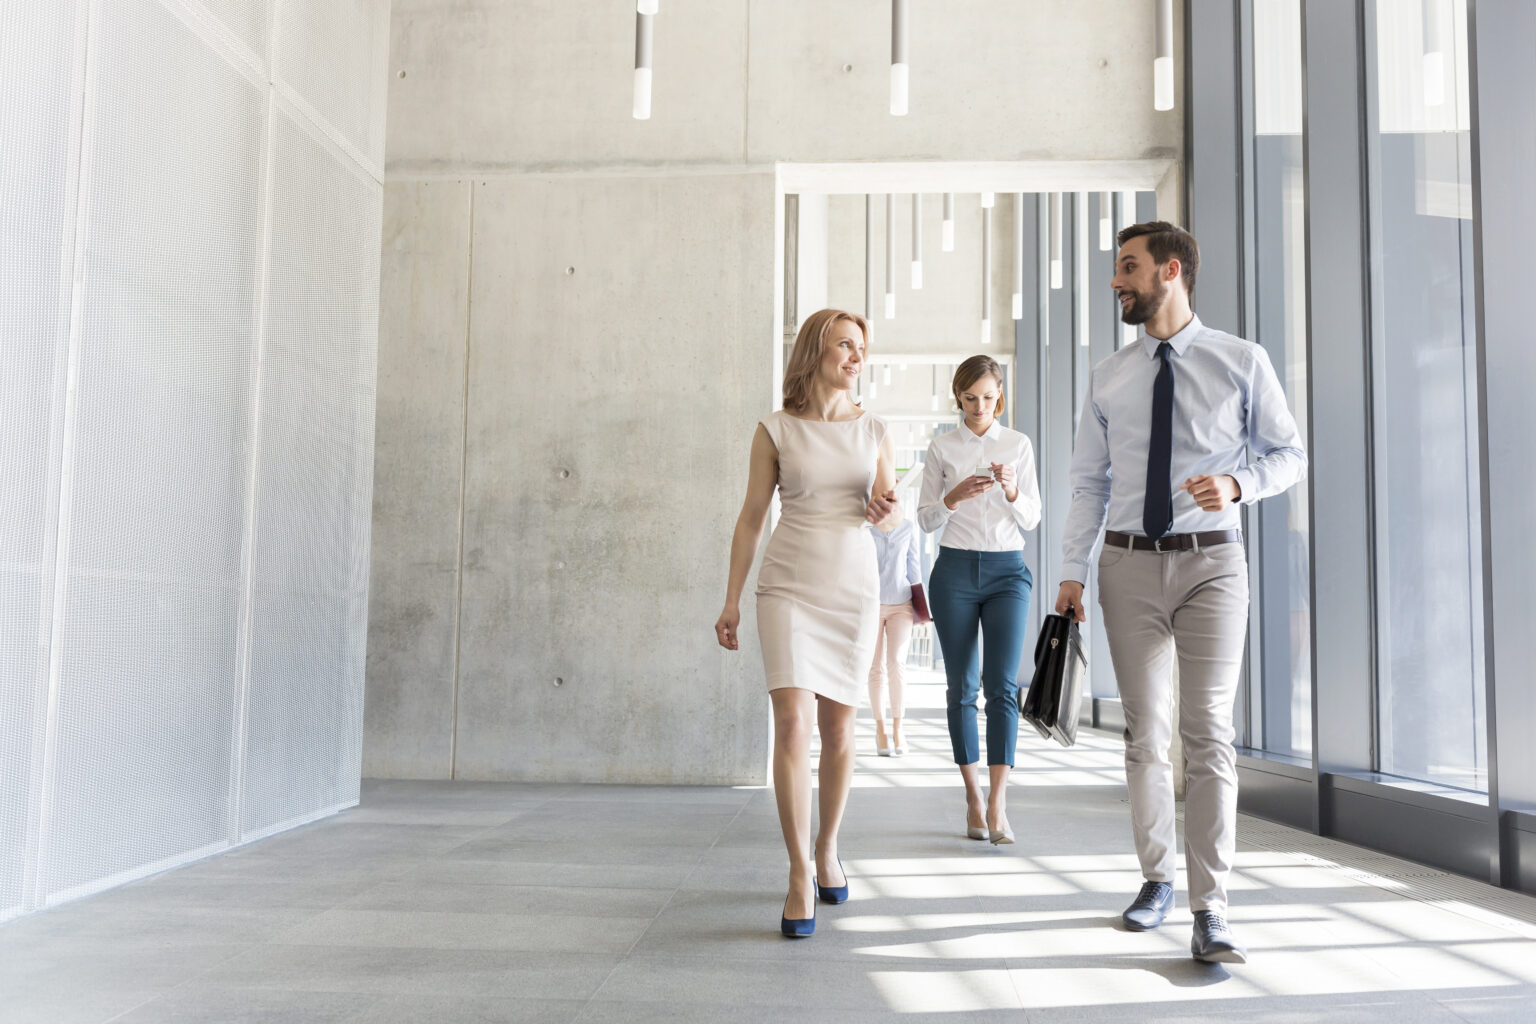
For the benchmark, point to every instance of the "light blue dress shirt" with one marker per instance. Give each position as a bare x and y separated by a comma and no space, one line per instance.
1226,401
897,554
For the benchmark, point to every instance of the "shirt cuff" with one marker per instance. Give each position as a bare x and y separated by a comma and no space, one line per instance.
1247,485
1074,572
934,516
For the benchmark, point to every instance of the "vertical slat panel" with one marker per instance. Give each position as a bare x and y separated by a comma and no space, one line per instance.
146,666
38,70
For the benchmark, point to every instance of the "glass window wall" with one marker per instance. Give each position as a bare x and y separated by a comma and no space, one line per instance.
1282,723
1430,716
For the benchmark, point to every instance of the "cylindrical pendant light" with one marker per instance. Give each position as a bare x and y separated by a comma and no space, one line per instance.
1018,256
890,255
1162,63
886,376
899,70
987,199
986,274
933,404
869,256
643,25
1106,223
647,6
1434,55
1055,239
948,239
1080,267
917,241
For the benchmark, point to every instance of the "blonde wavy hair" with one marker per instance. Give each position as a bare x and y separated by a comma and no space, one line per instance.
806,355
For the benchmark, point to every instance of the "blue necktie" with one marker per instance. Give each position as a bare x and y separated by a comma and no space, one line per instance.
1157,512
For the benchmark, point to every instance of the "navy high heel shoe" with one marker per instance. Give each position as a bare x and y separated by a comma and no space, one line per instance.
800,927
834,893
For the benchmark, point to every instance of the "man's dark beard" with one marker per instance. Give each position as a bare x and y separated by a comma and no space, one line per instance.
1142,308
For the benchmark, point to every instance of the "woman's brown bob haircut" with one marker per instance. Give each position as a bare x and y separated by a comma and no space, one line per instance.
973,370
1167,241
810,343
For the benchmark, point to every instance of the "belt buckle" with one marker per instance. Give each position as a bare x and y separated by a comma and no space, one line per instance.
1157,545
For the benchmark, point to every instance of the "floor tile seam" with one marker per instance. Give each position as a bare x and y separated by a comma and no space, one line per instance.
1374,952
197,976
1440,1002
466,917
1405,887
549,887
1013,966
639,938
844,956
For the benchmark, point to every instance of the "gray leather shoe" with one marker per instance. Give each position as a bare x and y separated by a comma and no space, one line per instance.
1151,906
1213,941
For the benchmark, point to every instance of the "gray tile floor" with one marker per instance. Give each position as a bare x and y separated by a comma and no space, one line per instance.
533,903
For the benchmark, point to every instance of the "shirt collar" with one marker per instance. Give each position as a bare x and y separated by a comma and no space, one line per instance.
992,432
1180,341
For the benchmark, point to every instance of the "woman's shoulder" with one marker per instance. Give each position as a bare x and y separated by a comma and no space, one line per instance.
1015,436
773,426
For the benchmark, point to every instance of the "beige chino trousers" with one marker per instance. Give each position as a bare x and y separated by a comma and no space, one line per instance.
1193,604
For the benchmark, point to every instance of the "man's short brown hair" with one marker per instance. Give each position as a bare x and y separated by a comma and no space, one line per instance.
1167,241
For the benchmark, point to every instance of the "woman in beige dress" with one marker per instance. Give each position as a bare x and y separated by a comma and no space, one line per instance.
818,593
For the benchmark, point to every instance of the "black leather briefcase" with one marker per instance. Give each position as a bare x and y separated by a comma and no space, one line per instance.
1056,692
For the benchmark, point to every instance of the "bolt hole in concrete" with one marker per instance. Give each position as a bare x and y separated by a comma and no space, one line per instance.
565,474
569,271
402,74
559,681
847,68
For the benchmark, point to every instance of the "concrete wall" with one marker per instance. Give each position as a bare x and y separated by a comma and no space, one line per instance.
579,317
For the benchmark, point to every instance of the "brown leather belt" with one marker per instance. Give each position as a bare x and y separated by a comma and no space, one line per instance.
1173,541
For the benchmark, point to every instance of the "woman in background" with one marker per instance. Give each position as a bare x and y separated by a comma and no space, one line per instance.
896,552
979,488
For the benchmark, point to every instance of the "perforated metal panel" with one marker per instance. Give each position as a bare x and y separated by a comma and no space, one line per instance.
246,20
315,467
135,134
160,454
334,55
37,73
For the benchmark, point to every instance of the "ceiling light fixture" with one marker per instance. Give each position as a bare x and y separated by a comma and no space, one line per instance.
890,256
1162,63
986,272
1055,240
917,241
1434,55
1018,256
643,29
869,256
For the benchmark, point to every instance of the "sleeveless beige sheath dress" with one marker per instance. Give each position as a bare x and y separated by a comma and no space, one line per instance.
818,592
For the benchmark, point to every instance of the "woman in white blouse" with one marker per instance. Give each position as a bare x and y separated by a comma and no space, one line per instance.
979,488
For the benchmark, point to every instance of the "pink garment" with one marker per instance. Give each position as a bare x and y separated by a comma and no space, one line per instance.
891,642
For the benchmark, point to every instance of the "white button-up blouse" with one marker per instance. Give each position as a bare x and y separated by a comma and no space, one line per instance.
987,522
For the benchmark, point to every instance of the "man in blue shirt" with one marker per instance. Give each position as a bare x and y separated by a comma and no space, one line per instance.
1162,461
